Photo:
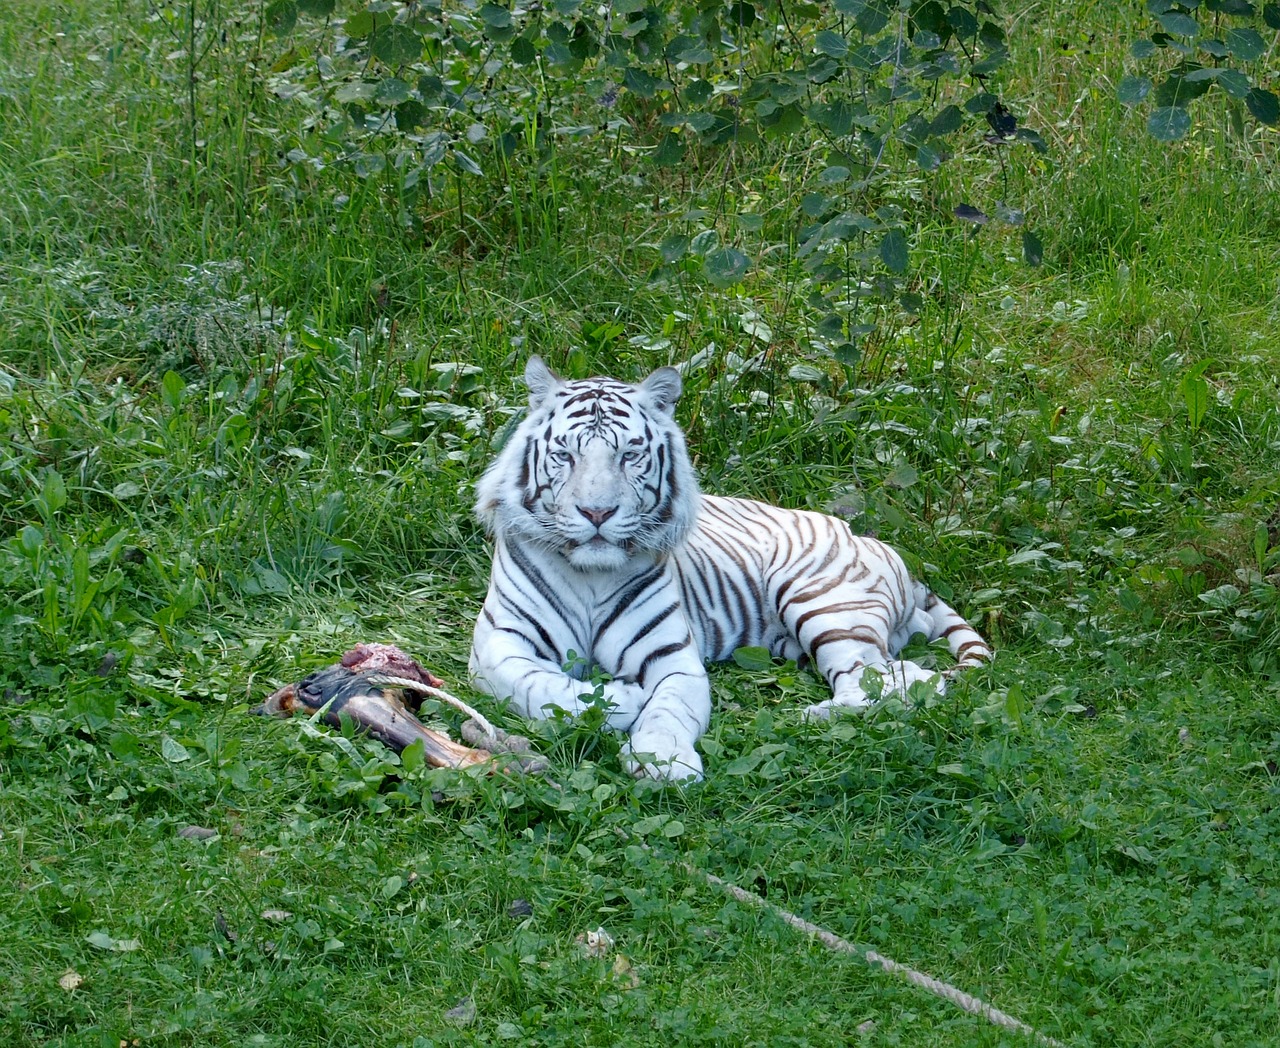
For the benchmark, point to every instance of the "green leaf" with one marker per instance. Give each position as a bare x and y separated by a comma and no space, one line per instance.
1195,392
756,660
670,151
1234,83
281,16
831,44
673,248
396,45
1169,123
745,764
1271,15
523,52
705,242
53,492
413,756
726,266
1264,106
893,251
359,25
391,91
103,941
495,16
172,750
1179,24
641,83
1133,89
1032,249
392,885
836,117
949,120
1245,44
647,825
317,8
171,387
1222,598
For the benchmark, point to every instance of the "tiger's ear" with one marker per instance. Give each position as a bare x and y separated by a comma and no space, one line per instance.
663,387
541,380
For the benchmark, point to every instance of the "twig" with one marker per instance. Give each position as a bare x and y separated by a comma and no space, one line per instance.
967,1002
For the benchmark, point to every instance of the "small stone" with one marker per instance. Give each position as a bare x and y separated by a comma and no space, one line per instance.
866,1029
463,1013
197,833
520,908
596,943
276,915
71,980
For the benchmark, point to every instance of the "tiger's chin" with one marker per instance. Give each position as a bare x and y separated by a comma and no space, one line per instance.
598,554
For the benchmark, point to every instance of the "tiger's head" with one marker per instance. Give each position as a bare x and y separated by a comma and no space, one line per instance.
597,471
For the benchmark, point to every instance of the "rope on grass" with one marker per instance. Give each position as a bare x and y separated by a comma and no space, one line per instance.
967,1002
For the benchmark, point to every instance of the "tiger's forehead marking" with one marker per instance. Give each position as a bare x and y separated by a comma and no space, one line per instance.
601,405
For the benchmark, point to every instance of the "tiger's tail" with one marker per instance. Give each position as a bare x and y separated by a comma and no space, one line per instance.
965,642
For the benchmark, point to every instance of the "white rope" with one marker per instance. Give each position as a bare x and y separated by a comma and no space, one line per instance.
969,1003
416,685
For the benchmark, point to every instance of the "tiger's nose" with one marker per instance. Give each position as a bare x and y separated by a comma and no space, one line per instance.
598,516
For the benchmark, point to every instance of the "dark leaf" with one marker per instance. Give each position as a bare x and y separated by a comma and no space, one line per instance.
281,16
1133,89
832,44
1009,215
317,8
1233,82
1002,122
670,150
947,121
1032,249
1169,123
726,266
396,45
523,52
969,213
1179,24
641,83
495,17
1245,44
1271,15
1264,106
893,251
673,248
410,115
754,659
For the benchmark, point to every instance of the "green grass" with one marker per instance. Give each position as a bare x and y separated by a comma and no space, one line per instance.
240,428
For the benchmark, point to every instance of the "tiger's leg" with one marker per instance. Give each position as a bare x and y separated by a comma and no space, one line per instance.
662,739
505,665
852,627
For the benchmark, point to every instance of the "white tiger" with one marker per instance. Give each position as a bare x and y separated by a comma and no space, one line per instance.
605,549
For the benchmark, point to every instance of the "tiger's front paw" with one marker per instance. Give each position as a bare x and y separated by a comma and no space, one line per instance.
669,763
